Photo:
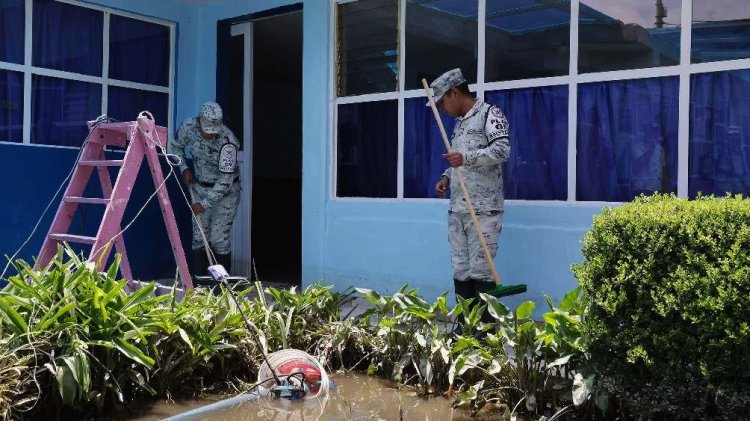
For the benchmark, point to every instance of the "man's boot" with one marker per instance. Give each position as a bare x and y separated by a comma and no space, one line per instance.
200,262
226,261
463,289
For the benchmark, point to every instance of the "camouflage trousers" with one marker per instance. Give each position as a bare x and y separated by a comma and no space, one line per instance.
216,220
467,255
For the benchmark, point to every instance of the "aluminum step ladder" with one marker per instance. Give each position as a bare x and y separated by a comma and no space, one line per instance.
140,138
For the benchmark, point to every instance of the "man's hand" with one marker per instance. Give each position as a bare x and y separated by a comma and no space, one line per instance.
454,158
198,208
187,177
441,186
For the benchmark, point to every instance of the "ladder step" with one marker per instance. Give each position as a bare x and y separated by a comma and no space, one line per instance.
102,163
70,238
89,200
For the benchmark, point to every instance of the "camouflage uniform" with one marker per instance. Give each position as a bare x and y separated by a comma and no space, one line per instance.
482,137
215,183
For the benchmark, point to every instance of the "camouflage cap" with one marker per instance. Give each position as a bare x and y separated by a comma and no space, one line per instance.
211,118
444,83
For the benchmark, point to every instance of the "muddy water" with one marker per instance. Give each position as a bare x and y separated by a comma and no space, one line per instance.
354,397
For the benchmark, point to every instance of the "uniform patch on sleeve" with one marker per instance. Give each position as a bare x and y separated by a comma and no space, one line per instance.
228,158
496,125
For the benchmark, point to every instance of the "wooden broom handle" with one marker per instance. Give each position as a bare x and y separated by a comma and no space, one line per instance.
457,171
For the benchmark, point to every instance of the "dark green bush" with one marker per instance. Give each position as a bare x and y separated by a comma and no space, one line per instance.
670,305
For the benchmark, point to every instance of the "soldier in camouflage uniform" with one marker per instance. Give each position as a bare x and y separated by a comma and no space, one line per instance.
480,145
216,186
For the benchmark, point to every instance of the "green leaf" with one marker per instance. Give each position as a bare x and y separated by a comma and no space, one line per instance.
495,308
66,384
186,339
47,321
132,352
581,389
525,309
17,322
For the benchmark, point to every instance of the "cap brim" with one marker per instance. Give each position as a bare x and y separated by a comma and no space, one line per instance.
435,99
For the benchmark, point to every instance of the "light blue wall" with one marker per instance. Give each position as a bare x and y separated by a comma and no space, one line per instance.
383,244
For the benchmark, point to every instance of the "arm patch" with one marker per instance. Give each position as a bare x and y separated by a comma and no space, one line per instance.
228,158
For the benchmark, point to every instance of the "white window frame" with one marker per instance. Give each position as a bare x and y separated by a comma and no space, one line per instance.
684,70
28,70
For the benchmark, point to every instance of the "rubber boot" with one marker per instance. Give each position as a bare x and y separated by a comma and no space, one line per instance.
200,262
226,261
464,289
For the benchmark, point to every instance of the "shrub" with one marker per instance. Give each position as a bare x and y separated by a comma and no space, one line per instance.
668,318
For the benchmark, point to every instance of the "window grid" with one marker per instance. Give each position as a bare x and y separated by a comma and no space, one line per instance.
684,71
29,70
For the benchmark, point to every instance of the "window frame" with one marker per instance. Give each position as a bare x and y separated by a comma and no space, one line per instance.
29,70
684,70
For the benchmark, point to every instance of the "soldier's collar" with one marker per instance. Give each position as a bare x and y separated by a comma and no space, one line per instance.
472,111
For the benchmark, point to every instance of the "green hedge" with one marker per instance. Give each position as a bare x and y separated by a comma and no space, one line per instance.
670,305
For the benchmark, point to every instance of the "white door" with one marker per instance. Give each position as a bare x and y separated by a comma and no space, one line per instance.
241,247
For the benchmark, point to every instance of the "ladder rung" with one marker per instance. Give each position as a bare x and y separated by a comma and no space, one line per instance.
102,163
89,200
73,238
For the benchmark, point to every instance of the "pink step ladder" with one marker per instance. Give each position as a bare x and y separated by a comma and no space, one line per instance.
140,138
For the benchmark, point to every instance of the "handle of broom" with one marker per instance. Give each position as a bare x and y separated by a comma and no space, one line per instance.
459,176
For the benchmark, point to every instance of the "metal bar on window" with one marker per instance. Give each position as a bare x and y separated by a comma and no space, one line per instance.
683,133
573,100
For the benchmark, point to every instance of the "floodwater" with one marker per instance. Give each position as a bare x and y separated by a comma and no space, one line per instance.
354,397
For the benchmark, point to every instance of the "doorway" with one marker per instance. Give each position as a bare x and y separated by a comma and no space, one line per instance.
267,234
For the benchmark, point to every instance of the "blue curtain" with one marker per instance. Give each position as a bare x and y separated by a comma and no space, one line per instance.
537,168
11,106
720,133
12,30
423,148
60,109
68,37
138,51
367,149
125,104
627,139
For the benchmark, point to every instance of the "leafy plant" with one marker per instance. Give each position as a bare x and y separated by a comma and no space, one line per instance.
667,278
412,343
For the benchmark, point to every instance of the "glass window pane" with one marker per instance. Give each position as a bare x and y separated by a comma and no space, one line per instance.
367,149
138,51
627,139
11,106
537,168
423,148
527,39
367,47
67,37
615,35
125,104
721,30
60,109
440,35
720,133
12,30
